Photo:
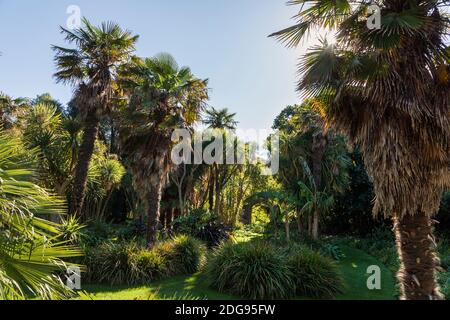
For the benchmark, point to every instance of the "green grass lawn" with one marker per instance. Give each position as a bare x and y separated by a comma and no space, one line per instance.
192,287
353,267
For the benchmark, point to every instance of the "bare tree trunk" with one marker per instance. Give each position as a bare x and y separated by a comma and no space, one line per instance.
154,206
217,208
310,225
180,199
318,150
299,223
418,261
315,225
169,220
84,158
211,191
286,224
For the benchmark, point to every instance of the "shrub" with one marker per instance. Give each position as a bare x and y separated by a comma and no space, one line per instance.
184,254
117,263
251,270
112,263
150,264
203,225
316,276
97,233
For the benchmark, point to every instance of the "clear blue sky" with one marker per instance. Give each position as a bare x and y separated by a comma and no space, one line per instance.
223,40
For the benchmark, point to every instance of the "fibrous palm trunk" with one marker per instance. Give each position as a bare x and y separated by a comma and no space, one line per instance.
91,130
415,242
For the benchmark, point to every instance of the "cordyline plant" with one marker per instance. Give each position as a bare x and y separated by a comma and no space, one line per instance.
388,90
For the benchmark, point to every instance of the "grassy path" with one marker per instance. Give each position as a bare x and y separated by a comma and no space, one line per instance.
353,267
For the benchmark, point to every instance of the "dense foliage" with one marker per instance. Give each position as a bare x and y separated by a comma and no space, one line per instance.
203,225
261,270
127,263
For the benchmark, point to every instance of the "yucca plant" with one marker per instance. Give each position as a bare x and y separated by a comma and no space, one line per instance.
30,253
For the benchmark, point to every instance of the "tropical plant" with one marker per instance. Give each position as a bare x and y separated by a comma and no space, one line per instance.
222,122
55,138
92,68
10,110
184,254
388,91
316,276
31,252
220,119
126,263
113,263
251,270
163,97
314,162
203,225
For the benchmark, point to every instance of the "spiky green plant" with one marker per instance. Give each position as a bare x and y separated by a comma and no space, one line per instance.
30,253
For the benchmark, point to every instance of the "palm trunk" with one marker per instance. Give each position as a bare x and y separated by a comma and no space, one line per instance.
217,208
84,158
318,150
153,210
418,261
315,225
169,220
211,191
287,227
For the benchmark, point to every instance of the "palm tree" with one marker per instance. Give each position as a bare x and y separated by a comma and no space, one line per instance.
220,119
30,253
224,121
388,91
163,97
92,68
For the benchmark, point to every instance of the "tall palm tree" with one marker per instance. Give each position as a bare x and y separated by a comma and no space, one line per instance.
220,119
163,97
388,91
223,120
92,68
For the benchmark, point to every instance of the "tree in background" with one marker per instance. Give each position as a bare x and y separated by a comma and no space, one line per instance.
92,68
11,109
54,138
314,162
163,97
219,174
388,91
